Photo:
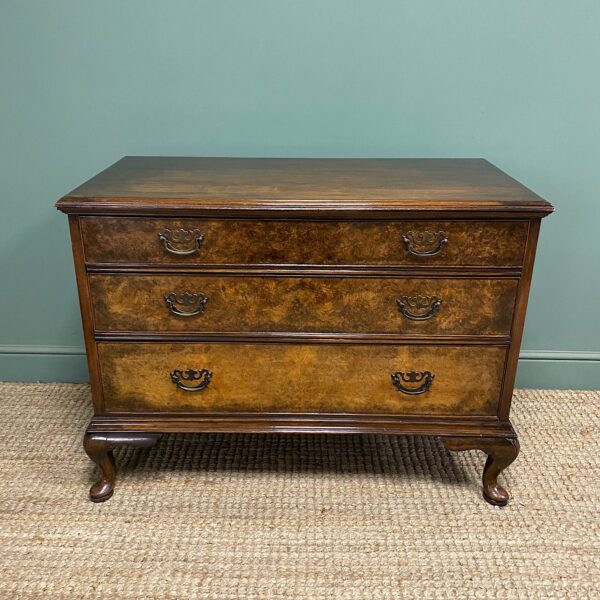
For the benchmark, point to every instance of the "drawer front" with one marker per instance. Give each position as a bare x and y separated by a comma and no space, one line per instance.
199,303
308,378
248,242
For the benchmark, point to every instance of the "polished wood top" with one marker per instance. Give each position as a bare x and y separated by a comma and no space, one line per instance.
185,184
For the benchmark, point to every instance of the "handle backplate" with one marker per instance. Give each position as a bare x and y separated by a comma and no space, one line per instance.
181,242
187,304
425,242
424,378
203,376
412,307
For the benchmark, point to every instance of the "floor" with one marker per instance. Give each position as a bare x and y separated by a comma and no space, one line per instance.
318,517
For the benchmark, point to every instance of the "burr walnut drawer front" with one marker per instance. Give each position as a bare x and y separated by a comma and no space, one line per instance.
204,303
253,242
308,378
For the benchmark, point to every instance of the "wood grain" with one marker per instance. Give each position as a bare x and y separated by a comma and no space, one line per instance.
301,378
252,242
177,183
136,303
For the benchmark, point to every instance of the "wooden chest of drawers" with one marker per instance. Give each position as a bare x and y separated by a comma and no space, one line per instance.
303,295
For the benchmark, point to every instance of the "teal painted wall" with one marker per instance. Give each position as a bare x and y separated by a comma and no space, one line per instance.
84,82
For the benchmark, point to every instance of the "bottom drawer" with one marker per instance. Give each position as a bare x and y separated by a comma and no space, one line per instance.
301,378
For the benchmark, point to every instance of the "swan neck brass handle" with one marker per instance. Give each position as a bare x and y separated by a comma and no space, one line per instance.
188,304
181,242
411,307
179,377
425,242
424,378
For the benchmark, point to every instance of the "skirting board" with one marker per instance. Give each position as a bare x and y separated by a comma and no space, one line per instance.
537,369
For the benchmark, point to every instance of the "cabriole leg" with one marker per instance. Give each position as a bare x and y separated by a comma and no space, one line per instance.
501,453
99,447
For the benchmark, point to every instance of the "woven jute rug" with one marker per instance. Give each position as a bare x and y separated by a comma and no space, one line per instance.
272,516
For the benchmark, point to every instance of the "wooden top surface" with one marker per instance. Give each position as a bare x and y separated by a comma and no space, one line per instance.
184,184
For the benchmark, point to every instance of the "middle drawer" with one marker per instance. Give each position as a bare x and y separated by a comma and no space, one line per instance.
389,305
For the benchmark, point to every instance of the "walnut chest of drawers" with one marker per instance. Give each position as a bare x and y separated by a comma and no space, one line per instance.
303,295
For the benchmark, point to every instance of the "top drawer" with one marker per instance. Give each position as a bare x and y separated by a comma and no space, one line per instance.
252,242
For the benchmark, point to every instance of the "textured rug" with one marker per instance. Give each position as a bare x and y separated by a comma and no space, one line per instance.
298,516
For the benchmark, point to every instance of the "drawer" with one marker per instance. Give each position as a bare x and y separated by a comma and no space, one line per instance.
251,242
200,303
309,378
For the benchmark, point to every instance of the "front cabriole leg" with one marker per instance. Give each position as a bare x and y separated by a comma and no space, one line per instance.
501,453
99,447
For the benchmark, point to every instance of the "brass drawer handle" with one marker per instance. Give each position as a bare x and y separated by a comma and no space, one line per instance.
425,243
408,304
181,242
401,377
188,304
203,376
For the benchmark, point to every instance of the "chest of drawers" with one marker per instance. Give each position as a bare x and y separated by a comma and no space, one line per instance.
303,295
